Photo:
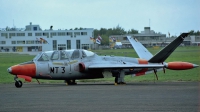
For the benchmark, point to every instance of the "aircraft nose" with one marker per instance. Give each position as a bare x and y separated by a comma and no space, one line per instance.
9,70
28,69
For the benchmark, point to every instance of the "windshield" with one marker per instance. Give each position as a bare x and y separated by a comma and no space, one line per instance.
43,56
37,56
88,53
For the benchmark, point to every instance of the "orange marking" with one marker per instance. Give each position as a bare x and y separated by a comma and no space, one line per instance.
26,69
141,72
27,78
142,61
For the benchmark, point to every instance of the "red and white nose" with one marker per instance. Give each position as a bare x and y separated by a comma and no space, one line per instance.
23,69
9,70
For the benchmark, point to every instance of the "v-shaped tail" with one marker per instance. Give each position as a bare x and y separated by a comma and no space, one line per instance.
162,55
141,51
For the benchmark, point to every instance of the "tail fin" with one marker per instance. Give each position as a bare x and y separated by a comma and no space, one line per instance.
141,51
162,55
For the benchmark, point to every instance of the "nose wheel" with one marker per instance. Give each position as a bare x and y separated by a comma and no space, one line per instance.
18,83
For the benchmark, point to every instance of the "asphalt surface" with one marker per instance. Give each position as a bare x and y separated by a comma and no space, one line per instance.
101,97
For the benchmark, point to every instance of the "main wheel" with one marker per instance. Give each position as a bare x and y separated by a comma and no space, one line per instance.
18,84
70,82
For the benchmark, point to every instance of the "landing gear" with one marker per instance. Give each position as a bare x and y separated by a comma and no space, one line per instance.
116,80
119,78
70,82
18,83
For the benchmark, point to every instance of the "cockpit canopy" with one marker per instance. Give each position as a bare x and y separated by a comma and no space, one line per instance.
63,55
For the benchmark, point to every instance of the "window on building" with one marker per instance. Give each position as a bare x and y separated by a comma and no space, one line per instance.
35,28
4,35
83,33
39,48
53,34
61,33
54,44
13,42
76,33
20,42
69,34
68,44
124,38
33,48
61,46
29,34
38,34
153,38
30,42
2,42
85,46
46,34
20,34
78,43
11,34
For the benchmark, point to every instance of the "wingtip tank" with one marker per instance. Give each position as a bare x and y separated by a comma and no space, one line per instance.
180,65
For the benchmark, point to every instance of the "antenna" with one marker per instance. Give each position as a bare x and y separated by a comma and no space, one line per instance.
13,23
149,22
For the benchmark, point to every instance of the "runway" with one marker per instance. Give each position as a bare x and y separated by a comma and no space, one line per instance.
101,97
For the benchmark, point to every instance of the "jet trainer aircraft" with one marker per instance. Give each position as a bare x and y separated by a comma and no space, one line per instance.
70,65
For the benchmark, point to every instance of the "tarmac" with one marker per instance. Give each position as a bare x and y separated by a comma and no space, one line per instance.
101,97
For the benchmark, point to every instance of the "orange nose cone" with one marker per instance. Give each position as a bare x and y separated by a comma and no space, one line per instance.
25,69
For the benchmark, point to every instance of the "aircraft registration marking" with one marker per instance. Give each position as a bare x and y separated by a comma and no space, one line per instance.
52,69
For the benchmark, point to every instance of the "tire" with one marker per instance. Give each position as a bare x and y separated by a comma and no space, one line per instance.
18,84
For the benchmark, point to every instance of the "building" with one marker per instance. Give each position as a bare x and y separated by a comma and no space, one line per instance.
147,37
33,38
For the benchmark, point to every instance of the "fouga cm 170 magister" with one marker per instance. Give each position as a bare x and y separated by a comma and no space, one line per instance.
71,65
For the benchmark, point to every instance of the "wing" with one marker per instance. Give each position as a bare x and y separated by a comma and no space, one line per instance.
124,66
141,51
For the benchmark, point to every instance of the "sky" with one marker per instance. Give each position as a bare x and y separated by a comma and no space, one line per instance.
173,16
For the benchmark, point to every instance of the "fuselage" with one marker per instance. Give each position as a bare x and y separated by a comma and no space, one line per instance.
73,64
76,64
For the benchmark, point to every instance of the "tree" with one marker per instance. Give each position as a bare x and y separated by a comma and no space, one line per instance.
132,31
118,30
105,40
192,32
76,28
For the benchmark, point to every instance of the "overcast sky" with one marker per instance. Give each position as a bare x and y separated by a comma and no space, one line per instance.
174,16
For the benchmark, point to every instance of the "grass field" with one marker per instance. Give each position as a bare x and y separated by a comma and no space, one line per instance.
187,54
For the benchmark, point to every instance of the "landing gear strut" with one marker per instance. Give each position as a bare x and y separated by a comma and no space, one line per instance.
18,83
119,78
70,82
